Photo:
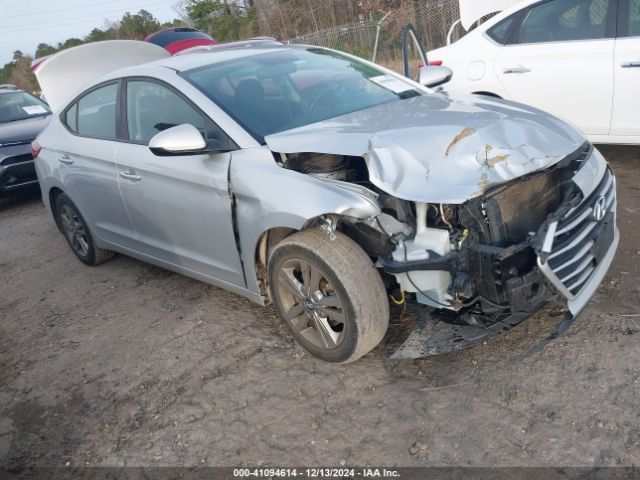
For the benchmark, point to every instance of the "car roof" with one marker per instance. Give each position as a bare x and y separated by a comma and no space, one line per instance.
66,74
194,60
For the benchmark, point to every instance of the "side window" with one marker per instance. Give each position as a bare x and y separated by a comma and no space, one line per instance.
71,118
152,108
564,20
499,31
634,18
94,115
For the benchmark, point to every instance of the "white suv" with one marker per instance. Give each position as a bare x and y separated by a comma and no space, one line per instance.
577,59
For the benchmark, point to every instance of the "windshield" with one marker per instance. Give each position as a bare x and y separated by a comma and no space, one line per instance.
20,105
276,91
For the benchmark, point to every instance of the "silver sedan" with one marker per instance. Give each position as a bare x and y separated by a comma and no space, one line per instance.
329,185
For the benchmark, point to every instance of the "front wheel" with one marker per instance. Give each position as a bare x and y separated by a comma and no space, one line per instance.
329,294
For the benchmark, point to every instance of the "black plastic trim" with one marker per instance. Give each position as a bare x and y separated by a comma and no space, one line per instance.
623,19
445,262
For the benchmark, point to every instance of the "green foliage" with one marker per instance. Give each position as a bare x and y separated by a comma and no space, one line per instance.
224,20
70,42
138,26
97,35
131,26
45,49
18,72
175,23
5,72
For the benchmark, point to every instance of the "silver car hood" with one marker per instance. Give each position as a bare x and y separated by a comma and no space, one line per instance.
433,149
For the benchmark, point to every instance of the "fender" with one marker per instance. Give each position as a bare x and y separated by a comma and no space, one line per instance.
299,198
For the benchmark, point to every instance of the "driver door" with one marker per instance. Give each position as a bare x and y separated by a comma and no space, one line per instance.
559,58
180,205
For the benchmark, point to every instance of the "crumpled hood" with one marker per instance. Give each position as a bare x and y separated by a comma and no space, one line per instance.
433,149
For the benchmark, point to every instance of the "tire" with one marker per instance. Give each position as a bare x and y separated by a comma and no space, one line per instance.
77,233
318,284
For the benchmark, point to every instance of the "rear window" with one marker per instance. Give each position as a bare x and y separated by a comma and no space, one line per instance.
94,115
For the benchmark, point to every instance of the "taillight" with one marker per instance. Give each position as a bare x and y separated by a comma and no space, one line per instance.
435,63
35,149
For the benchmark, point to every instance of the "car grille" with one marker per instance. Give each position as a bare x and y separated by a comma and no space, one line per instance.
574,252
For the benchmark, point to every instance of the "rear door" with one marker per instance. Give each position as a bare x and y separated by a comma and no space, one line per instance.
626,68
559,58
87,162
180,205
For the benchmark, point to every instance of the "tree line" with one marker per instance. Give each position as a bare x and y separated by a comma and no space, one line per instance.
224,20
129,27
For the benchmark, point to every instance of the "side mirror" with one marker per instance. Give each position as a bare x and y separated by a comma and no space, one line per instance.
434,76
182,139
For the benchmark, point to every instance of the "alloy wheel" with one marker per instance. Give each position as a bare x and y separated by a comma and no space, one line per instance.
311,304
74,231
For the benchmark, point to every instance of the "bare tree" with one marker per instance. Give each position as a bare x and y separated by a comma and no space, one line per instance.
180,7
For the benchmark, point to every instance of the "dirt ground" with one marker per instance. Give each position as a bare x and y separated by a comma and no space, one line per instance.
128,364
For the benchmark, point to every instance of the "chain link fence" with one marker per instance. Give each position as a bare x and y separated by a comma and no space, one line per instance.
379,37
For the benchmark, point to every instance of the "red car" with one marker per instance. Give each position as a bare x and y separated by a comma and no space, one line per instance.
176,40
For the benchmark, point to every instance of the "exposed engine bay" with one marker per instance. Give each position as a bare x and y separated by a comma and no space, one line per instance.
478,261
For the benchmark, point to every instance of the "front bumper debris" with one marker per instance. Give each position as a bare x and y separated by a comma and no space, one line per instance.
432,336
575,250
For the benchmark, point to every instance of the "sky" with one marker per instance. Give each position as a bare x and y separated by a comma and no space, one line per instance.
26,23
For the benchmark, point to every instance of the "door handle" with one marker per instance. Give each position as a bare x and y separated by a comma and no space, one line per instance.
65,159
631,65
130,175
516,70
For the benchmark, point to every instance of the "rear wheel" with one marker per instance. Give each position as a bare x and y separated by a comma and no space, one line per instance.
329,294
77,233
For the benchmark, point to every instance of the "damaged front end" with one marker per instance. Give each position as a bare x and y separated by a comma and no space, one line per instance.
477,269
546,238
489,211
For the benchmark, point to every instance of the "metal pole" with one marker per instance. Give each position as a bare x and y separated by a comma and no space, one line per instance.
375,45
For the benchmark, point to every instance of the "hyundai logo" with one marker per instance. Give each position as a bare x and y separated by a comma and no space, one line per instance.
599,209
